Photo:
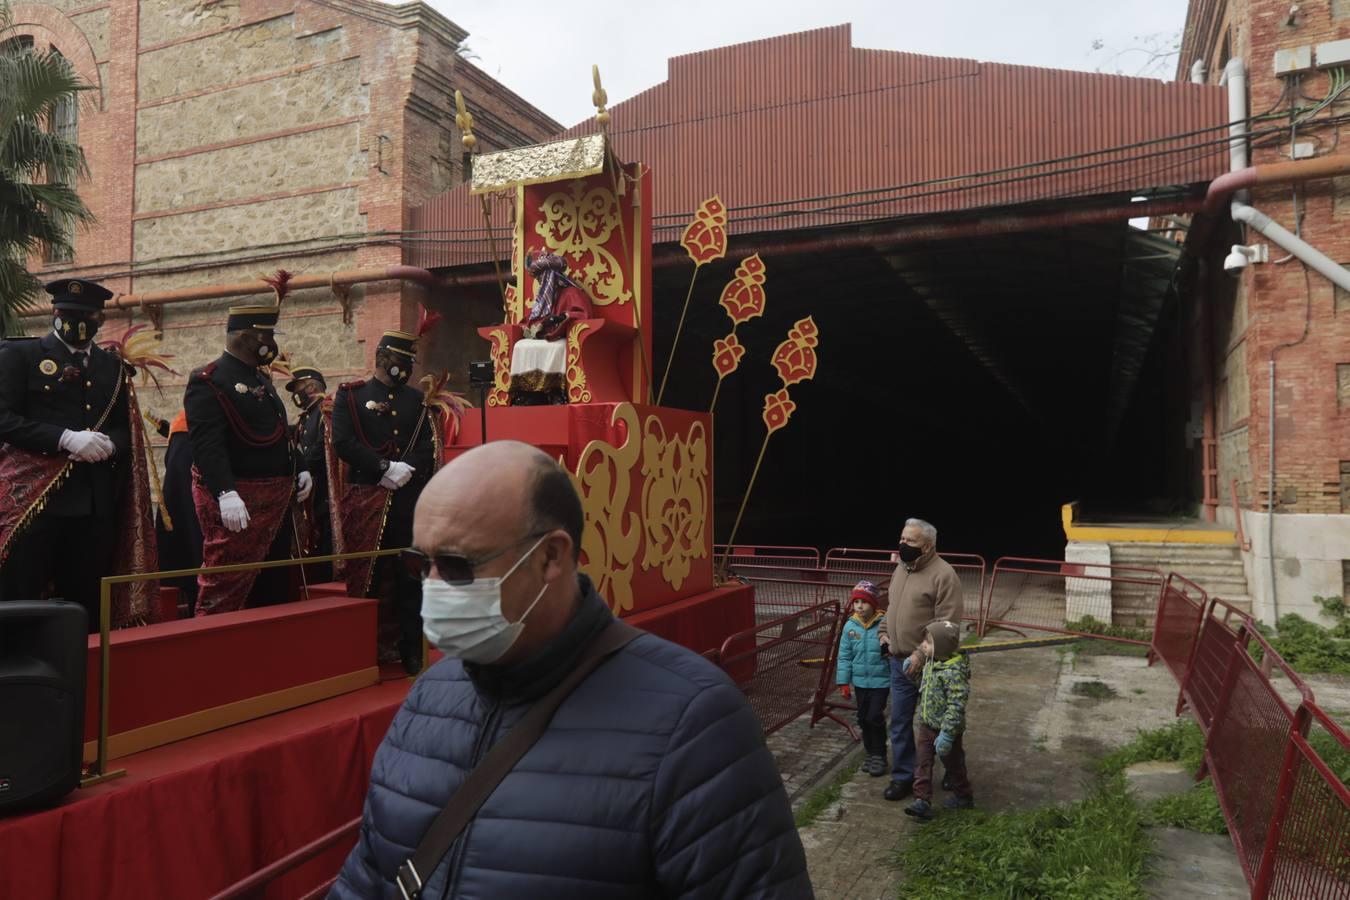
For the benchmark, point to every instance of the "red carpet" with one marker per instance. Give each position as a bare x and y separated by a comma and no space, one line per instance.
193,817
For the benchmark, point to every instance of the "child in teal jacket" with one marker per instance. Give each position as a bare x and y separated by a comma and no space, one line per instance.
863,668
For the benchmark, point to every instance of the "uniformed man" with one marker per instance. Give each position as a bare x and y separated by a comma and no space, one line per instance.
309,390
245,470
382,430
67,449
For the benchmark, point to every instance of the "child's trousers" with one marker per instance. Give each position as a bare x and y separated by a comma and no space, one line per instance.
954,762
872,718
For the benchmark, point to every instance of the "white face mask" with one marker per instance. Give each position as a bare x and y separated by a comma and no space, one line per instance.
466,620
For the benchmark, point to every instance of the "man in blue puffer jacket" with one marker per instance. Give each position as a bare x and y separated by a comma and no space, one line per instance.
652,779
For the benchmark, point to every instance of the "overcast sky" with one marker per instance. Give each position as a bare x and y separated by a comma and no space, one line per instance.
544,52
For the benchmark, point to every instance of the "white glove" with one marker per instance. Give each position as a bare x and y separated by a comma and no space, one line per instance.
304,484
87,446
396,476
233,512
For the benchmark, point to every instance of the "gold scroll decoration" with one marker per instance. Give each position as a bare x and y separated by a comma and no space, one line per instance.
612,532
500,395
577,391
578,223
674,499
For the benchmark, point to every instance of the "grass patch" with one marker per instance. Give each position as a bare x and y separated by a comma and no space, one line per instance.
1095,690
825,797
1180,741
1196,809
1309,647
1095,848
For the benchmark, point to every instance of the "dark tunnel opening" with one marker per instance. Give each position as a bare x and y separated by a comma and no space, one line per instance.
978,384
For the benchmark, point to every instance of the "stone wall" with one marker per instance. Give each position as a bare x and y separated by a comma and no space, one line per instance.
332,156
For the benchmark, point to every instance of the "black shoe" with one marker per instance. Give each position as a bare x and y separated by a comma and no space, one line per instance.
898,790
412,663
879,767
920,809
946,782
955,802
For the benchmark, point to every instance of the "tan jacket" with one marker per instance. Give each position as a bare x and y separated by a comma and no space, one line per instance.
915,597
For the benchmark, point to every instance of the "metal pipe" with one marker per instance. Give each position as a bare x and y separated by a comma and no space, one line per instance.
247,288
1315,259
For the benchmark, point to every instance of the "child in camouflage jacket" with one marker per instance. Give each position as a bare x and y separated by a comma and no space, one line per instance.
942,719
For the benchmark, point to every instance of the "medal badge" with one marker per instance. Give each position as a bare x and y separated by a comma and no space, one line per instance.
48,367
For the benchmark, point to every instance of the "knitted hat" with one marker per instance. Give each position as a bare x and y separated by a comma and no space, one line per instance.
865,591
946,638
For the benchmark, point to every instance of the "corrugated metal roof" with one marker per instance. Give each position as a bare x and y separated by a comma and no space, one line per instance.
805,130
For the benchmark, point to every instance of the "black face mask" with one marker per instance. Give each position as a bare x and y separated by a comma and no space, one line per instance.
909,553
399,370
75,328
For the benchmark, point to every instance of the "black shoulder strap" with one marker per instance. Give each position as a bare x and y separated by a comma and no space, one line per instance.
499,762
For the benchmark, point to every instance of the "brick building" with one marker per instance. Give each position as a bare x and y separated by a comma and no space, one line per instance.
229,138
1277,332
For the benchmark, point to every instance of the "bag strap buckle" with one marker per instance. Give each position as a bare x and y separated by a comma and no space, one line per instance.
408,881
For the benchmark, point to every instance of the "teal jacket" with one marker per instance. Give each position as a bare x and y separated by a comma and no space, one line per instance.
861,662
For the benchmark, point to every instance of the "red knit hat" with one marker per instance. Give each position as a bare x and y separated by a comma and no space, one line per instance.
865,591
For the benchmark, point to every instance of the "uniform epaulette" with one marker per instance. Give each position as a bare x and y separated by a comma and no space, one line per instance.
205,371
352,385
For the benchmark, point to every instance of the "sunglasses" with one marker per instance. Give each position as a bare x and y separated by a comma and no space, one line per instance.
454,568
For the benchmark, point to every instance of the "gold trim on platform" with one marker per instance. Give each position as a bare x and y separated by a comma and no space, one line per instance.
578,222
539,163
577,391
160,733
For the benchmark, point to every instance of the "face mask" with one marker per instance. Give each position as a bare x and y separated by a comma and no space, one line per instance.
300,400
75,329
909,553
466,620
265,350
399,374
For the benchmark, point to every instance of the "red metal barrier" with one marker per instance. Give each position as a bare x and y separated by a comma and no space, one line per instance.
253,885
1287,812
789,559
1071,598
779,664
1180,613
1308,854
1222,628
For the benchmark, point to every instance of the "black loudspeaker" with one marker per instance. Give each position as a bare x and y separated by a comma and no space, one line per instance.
43,648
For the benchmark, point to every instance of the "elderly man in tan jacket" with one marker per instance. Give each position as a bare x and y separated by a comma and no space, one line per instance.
923,588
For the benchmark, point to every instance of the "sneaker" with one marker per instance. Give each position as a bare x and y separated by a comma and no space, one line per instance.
898,790
920,809
880,768
955,802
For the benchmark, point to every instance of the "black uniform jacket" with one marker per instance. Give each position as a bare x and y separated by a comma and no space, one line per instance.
237,424
43,392
374,422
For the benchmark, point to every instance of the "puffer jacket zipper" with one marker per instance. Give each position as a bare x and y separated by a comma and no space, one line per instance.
480,748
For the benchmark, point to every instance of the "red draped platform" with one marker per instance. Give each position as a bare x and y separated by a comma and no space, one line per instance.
198,815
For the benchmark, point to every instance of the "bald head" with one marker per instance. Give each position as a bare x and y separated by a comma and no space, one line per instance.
501,488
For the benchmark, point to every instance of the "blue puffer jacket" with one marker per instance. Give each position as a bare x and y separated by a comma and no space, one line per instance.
652,780
861,663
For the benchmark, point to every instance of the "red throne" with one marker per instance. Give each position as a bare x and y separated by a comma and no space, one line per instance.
608,256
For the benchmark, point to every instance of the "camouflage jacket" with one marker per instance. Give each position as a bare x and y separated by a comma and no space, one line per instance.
943,694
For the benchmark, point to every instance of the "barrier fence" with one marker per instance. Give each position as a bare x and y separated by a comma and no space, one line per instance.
789,560
1071,598
1180,610
1286,810
782,663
